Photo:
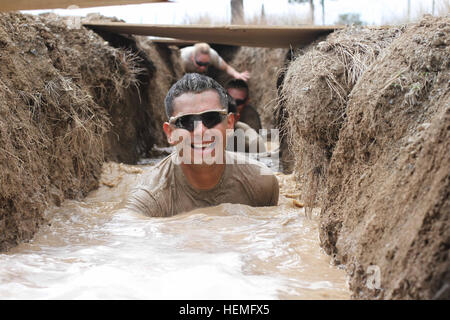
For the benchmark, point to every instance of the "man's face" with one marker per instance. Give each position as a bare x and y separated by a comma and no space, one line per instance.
240,96
201,62
202,142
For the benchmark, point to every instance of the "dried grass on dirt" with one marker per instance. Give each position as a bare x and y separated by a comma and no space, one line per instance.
168,69
315,92
387,198
56,89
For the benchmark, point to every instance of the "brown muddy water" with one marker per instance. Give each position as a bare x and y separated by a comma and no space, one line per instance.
92,250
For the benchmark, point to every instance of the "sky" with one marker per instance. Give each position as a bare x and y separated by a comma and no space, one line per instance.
372,12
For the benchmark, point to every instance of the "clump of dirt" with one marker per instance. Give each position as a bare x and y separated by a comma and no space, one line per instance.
264,65
68,102
313,98
386,209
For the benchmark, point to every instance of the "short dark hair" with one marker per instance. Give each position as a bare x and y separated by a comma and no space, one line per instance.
194,83
237,84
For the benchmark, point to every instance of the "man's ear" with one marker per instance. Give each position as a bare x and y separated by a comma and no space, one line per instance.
168,131
230,121
173,135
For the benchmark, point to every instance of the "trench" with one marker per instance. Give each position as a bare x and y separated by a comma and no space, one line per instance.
88,249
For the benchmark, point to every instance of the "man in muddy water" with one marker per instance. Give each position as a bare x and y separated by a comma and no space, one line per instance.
238,90
199,57
200,173
244,139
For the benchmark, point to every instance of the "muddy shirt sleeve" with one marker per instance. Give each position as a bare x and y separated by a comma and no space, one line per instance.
142,201
267,187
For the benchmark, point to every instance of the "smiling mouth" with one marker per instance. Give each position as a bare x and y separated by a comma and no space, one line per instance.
203,146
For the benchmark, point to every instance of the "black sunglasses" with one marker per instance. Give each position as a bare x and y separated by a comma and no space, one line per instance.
240,101
209,118
202,64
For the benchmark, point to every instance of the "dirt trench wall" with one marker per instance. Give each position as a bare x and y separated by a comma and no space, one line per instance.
387,207
160,68
314,95
68,101
384,193
168,70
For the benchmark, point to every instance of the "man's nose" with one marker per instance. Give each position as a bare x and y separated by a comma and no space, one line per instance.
199,128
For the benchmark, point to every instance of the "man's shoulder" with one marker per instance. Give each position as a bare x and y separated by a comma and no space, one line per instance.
186,52
162,170
257,177
148,197
188,49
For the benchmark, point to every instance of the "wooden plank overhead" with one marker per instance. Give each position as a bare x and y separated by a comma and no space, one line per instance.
15,5
238,35
174,42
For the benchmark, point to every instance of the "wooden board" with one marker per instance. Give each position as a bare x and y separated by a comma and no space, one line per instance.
174,42
14,5
238,35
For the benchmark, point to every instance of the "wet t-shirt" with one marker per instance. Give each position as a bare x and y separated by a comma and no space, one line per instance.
189,66
164,190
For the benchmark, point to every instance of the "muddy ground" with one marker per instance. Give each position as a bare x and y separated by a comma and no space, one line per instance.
365,114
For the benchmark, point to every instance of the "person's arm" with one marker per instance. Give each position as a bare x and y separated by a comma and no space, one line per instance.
143,202
232,72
